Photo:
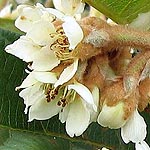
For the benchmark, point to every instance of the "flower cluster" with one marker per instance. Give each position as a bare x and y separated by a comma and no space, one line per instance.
50,88
67,68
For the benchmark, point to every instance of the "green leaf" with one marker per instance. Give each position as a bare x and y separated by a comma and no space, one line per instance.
121,11
8,25
11,139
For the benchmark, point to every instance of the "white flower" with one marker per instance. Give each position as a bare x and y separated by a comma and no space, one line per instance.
33,86
33,19
74,103
44,45
29,15
112,116
73,107
135,131
69,7
77,113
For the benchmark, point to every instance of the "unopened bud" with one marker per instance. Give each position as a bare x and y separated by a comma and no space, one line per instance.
112,116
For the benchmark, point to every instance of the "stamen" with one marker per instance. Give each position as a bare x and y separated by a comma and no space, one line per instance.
61,45
48,99
63,102
63,56
59,103
68,97
50,92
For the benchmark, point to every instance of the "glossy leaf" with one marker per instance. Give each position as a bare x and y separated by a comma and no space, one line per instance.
121,11
15,139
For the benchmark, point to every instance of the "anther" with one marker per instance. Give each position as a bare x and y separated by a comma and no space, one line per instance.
59,103
63,100
48,99
52,97
64,104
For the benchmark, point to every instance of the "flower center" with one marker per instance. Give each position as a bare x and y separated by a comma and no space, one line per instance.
67,98
50,92
61,45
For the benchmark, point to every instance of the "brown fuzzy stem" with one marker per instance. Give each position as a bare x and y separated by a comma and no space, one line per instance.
100,38
123,36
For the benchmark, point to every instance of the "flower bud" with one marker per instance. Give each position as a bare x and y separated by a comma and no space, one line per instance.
116,108
112,116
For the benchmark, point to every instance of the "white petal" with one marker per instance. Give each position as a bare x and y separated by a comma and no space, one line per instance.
28,16
45,77
40,32
74,7
28,81
56,13
135,129
23,48
43,110
95,94
112,117
78,118
31,95
80,8
47,16
57,4
73,31
67,74
64,114
142,146
84,92
34,77
45,60
65,7
69,7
